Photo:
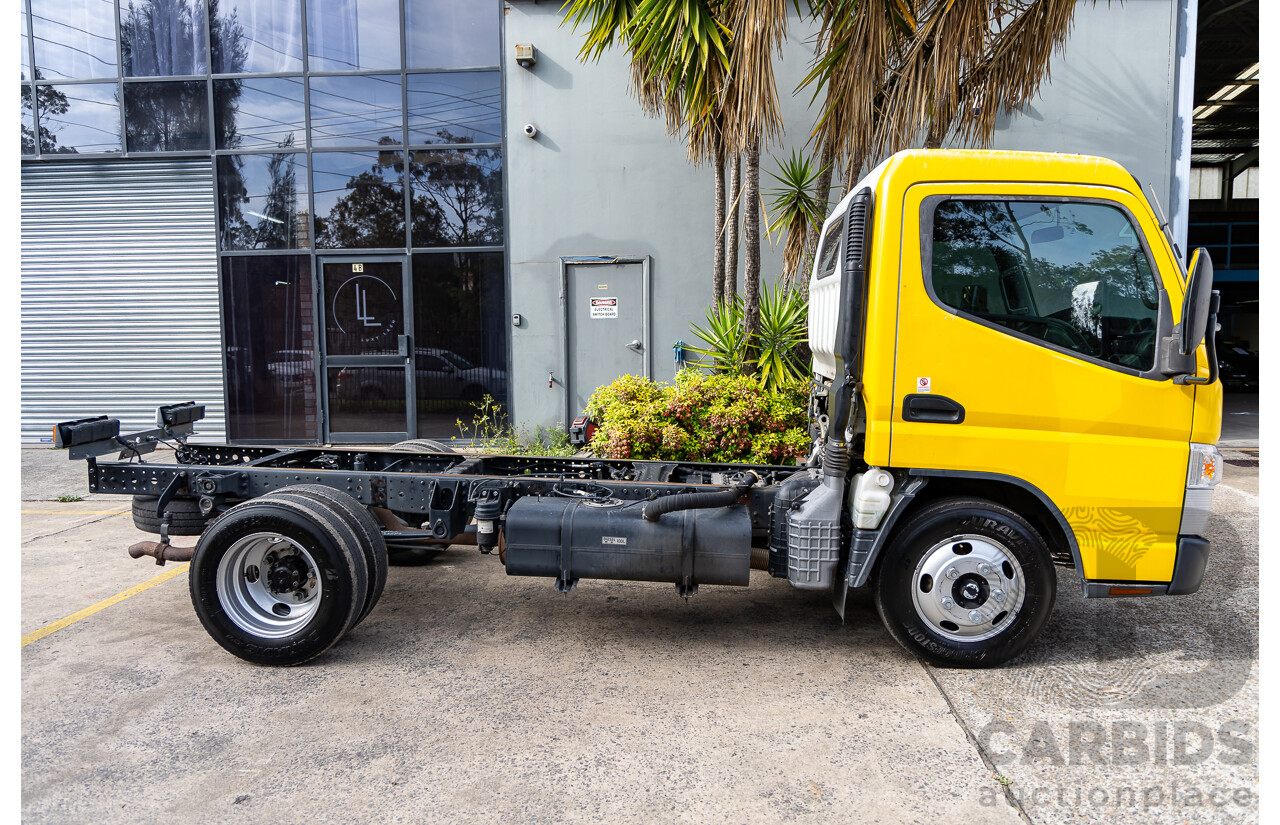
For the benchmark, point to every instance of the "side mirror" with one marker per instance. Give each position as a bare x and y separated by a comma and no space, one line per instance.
1195,304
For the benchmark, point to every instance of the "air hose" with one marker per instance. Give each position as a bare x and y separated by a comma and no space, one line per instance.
653,510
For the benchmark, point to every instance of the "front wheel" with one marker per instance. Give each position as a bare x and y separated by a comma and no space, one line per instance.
965,583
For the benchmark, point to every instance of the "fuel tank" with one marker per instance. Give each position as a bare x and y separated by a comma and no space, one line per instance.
569,539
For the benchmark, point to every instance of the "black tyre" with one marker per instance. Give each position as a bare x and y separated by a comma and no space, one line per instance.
423,445
278,581
186,521
365,526
965,582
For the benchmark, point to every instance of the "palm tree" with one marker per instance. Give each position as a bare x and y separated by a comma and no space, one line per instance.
896,70
706,67
679,61
798,206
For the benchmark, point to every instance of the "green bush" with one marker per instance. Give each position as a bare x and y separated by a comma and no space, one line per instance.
491,432
700,418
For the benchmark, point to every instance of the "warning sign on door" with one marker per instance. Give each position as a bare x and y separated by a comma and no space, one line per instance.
604,307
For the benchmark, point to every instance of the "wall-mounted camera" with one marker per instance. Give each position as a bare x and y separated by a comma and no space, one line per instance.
530,131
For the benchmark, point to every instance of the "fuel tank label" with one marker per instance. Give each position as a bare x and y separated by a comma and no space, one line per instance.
621,540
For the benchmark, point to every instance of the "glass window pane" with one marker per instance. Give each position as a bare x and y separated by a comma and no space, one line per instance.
367,400
359,199
258,114
455,107
163,37
262,201
346,35
457,197
28,122
256,36
446,34
356,111
1070,274
364,309
166,117
84,117
830,254
269,334
25,52
75,38
460,319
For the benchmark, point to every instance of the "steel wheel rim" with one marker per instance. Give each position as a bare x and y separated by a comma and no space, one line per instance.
968,588
247,596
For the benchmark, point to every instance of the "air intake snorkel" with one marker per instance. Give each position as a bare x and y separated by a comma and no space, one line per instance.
814,530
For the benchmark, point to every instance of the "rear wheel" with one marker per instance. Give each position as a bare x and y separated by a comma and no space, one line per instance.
366,527
278,581
965,583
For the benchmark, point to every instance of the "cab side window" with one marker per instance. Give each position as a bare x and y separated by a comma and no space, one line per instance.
1069,274
829,256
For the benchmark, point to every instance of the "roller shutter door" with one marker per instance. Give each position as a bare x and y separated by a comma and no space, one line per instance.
119,293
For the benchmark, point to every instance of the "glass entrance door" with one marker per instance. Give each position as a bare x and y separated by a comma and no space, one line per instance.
368,349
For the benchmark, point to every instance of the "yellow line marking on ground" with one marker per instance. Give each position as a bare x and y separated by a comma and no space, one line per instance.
74,512
102,605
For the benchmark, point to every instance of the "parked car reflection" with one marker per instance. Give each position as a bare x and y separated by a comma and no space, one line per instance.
292,369
440,374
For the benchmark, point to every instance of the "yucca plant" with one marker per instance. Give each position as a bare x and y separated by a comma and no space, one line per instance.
727,344
798,209
779,343
774,354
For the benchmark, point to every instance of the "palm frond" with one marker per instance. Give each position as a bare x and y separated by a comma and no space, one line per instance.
798,209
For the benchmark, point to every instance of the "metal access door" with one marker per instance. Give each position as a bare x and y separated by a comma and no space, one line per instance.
606,324
368,347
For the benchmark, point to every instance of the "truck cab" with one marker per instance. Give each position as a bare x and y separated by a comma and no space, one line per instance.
1017,335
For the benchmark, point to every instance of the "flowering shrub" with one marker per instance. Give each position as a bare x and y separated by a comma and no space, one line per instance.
700,418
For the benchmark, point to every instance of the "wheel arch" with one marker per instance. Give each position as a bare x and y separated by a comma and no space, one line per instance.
1019,495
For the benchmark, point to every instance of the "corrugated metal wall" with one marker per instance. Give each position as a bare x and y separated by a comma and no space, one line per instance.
119,293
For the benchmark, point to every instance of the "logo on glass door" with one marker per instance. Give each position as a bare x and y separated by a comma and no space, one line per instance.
364,304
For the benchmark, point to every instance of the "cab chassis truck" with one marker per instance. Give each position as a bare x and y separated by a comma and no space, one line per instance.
1011,372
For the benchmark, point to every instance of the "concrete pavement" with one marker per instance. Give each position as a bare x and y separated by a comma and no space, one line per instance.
468,696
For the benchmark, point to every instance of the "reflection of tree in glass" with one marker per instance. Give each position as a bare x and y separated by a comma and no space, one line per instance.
371,214
226,38
166,117
51,102
1107,296
457,195
162,38
276,226
228,42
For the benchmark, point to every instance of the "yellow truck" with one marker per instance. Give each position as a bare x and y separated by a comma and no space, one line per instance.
1013,373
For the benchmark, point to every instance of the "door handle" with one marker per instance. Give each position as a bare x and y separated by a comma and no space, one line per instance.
402,341
931,409
635,346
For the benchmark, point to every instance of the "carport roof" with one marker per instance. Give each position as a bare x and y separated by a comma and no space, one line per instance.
1226,86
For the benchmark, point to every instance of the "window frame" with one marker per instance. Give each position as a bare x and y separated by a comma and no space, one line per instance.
1164,312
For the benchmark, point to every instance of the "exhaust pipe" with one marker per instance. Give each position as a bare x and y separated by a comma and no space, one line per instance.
161,551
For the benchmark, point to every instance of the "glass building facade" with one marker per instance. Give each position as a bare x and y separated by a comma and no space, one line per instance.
358,159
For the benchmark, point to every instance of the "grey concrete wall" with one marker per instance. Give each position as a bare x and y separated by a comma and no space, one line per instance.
603,179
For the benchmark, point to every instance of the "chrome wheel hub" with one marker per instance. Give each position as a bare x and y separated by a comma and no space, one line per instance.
268,585
968,588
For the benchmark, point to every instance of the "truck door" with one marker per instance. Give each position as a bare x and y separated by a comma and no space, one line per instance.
1029,317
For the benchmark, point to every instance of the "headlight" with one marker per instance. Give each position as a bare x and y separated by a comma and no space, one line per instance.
1204,471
